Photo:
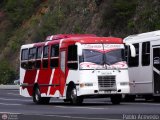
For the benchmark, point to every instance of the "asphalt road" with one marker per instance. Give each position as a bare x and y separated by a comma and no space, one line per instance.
15,107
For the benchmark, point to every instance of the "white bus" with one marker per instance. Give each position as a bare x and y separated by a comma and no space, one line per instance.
144,68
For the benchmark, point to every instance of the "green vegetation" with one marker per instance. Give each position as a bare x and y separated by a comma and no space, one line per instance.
20,10
13,14
118,16
7,73
148,16
131,17
28,21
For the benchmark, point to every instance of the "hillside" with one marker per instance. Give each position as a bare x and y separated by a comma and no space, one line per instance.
28,21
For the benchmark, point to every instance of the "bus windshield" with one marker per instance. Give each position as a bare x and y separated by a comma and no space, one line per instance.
92,56
99,58
114,56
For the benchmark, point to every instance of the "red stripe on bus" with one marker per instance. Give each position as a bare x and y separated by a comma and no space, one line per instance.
55,81
29,78
44,79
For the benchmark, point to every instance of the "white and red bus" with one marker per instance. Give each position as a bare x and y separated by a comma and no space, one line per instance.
73,67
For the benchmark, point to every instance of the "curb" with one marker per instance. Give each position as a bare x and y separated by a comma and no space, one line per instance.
10,87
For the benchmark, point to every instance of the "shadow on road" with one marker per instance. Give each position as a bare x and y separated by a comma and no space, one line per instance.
85,104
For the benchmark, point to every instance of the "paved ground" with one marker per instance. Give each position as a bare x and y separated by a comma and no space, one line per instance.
13,106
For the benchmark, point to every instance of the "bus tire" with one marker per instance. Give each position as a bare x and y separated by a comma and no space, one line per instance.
148,97
38,99
156,99
74,99
65,100
116,99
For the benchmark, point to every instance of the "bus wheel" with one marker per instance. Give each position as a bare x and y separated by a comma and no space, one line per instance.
148,97
74,99
65,100
38,99
156,98
116,99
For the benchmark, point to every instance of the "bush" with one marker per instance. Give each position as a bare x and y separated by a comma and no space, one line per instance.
77,29
148,15
19,10
50,24
7,74
118,14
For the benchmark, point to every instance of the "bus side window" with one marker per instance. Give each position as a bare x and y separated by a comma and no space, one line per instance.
45,56
32,57
54,56
72,57
145,53
38,57
24,59
134,61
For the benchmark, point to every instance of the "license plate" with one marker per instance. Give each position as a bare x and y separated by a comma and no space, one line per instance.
104,92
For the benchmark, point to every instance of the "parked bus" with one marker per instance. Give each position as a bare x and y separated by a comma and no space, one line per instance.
73,67
144,68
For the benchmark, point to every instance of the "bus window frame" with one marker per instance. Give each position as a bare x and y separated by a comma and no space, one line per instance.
146,52
45,58
72,62
54,57
38,57
24,61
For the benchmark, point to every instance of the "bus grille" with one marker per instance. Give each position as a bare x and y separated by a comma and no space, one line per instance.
106,82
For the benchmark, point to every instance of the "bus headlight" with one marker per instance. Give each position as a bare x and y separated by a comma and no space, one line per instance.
86,84
124,83
82,85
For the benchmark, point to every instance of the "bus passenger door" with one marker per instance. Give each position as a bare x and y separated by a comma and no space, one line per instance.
156,70
62,71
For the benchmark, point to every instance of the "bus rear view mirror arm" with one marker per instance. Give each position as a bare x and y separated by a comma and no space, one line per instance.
132,49
79,48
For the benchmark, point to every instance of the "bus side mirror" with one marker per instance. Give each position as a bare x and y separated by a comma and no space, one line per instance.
79,49
133,50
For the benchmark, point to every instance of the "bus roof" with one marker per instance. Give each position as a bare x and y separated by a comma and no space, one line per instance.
148,36
63,36
92,40
67,39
